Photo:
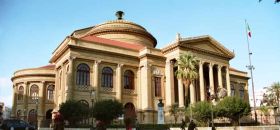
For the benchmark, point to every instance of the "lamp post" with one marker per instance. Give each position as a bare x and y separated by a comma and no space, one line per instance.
92,96
35,98
24,114
212,98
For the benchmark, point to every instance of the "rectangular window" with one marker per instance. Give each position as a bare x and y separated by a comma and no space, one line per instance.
232,91
241,92
158,86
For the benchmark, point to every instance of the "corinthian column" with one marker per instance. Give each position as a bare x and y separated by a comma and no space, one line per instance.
169,73
228,81
69,79
26,95
95,78
201,81
220,81
181,93
14,101
41,97
211,79
119,83
193,94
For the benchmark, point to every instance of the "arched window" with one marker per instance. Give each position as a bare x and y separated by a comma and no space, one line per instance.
32,116
18,113
83,76
50,93
128,79
232,90
84,102
34,92
20,93
107,77
241,91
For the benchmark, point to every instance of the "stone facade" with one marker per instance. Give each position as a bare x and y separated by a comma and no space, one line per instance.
119,61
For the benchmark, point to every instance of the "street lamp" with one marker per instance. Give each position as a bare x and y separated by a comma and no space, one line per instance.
35,98
212,98
92,96
24,114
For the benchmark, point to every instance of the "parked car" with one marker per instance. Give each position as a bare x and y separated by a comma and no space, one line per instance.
16,124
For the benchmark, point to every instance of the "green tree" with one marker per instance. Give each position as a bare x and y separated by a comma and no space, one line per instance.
174,111
201,111
106,111
187,68
272,95
233,108
74,111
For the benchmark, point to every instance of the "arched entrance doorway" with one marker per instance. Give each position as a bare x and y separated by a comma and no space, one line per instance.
48,117
32,118
129,115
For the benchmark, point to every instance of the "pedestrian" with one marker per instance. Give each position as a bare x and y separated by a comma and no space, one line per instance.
183,125
58,122
192,125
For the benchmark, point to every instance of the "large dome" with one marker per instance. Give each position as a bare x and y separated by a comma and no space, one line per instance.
123,30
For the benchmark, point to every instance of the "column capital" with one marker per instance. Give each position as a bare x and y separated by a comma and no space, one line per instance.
120,65
201,62
26,83
96,62
71,58
219,66
169,62
147,66
210,64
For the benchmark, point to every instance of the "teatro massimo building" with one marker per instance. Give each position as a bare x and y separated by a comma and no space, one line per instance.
119,60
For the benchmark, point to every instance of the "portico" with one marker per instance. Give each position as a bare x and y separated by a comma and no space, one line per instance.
213,74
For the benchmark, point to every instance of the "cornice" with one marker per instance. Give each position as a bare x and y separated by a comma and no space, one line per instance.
152,56
105,44
203,51
33,75
101,51
125,30
59,52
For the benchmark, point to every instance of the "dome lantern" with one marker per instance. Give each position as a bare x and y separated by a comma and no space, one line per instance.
119,15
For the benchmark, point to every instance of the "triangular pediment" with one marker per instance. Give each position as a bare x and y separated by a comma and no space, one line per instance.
206,44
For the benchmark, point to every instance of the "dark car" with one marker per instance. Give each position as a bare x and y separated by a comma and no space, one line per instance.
16,124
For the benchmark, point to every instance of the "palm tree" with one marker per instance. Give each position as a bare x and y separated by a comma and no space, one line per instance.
273,93
187,68
174,110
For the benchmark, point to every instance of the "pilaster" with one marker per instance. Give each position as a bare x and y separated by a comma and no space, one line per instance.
169,73
70,79
41,104
146,87
14,108
95,78
119,82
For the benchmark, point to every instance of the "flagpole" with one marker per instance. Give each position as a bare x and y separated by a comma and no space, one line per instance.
251,67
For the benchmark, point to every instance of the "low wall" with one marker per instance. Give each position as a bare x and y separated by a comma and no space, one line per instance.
271,127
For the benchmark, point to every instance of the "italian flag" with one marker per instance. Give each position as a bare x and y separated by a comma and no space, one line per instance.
248,30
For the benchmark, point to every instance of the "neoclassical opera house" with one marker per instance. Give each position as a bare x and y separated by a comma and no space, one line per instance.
119,60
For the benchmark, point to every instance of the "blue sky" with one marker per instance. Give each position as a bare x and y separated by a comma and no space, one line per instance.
30,30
